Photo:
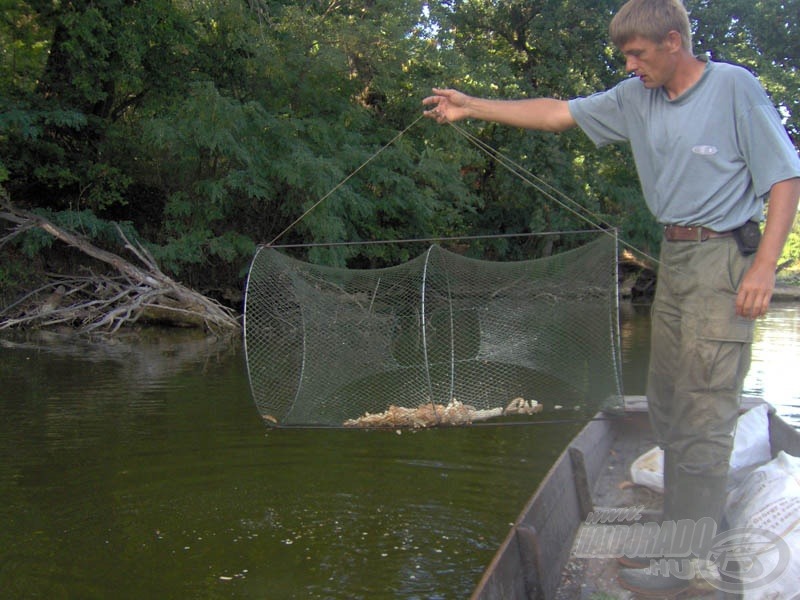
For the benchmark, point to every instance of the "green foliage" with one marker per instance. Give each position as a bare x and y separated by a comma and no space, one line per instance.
215,126
86,223
24,43
16,276
791,251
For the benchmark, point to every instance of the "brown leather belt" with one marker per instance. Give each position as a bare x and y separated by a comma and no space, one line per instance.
692,233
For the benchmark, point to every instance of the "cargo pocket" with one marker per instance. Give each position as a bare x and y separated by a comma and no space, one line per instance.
733,329
723,356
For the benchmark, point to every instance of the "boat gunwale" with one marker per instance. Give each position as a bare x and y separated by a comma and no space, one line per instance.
563,499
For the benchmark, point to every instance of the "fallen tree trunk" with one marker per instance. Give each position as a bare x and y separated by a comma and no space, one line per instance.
107,302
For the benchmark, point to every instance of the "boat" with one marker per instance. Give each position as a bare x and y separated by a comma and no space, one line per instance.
535,561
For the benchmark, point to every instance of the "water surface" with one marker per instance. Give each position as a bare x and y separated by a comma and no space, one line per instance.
774,365
142,469
139,467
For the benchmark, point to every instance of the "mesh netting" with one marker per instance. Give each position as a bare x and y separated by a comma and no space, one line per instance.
327,346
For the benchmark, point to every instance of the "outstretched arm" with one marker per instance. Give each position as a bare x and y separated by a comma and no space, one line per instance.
755,291
544,114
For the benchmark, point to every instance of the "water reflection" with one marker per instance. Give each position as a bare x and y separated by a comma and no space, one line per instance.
146,471
141,468
776,355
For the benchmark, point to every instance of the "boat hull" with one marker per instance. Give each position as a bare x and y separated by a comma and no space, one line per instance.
586,477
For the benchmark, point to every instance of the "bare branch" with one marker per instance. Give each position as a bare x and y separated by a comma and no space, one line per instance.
106,303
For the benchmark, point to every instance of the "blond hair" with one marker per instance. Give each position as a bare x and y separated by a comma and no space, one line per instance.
652,20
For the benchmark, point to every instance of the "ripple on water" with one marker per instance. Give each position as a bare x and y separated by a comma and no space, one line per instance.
149,473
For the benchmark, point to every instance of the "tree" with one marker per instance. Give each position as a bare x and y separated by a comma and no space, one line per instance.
761,35
207,128
561,49
542,48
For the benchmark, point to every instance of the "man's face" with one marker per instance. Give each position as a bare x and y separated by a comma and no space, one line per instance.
653,63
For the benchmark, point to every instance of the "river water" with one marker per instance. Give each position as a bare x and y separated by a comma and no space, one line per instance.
140,468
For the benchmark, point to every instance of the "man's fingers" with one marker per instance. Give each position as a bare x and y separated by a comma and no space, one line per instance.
752,305
434,113
437,111
761,306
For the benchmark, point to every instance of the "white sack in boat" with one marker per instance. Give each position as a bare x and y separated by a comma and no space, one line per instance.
769,499
648,470
751,449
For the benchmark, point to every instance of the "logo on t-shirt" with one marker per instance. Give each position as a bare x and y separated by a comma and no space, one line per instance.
705,150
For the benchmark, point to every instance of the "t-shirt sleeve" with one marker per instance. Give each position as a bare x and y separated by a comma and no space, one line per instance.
770,155
601,117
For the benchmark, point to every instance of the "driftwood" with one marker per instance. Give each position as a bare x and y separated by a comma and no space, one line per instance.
430,415
104,303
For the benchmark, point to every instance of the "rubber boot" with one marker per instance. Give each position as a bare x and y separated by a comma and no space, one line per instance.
692,497
636,562
696,497
670,489
646,582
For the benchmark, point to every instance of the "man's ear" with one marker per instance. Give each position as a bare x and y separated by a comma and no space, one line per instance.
673,41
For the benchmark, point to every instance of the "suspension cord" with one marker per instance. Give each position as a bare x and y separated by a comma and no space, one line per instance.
345,180
551,193
537,183
459,238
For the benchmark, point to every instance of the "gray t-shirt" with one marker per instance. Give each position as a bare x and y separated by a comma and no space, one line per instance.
709,157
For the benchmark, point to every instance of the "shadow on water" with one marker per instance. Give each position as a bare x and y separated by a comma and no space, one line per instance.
141,468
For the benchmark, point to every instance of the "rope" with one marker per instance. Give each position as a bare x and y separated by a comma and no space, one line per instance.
535,181
543,188
460,238
345,180
595,221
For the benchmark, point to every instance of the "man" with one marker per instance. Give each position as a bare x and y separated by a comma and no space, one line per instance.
709,148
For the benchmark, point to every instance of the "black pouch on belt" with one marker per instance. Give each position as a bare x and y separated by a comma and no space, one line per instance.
747,237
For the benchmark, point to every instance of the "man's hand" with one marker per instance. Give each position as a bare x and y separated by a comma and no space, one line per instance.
448,105
758,283
755,291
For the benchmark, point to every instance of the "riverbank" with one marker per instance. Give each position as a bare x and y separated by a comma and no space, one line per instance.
641,286
786,293
30,296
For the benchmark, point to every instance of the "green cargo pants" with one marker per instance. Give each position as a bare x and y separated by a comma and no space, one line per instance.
699,356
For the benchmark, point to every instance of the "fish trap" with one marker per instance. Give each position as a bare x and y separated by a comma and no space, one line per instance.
441,339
